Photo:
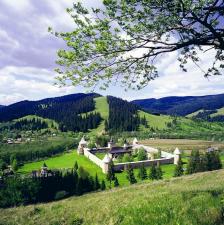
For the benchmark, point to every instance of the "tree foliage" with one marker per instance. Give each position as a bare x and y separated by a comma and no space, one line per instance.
203,162
116,182
130,174
142,154
122,40
18,190
142,173
179,171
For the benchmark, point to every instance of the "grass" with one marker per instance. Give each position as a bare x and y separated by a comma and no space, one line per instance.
182,144
64,161
194,113
101,106
48,121
67,160
220,112
157,122
191,200
100,155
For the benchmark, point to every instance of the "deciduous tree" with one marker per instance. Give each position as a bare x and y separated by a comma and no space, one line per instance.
122,40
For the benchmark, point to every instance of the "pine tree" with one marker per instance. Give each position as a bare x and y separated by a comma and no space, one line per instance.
96,183
179,169
131,175
213,161
106,125
152,172
76,166
116,183
193,163
159,172
79,186
142,174
110,173
103,185
218,161
203,163
14,165
142,154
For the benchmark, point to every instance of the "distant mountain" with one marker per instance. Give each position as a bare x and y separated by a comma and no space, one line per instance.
78,112
64,110
1,106
181,106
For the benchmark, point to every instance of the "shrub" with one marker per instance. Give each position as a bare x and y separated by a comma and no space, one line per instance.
127,158
142,155
76,221
60,195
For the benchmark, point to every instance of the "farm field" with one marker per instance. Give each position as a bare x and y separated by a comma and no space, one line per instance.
192,200
182,144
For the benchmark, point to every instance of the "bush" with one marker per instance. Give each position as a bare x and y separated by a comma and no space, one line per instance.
142,154
127,158
76,221
60,195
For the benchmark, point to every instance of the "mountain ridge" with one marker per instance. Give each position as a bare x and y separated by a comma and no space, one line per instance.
181,106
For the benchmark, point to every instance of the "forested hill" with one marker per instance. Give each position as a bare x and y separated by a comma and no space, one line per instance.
78,112
1,106
181,106
64,110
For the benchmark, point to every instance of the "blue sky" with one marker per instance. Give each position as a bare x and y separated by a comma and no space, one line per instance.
28,53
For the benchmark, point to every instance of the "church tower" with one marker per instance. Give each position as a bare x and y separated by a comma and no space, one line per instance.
82,145
111,143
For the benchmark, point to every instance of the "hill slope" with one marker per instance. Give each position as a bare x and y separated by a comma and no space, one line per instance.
181,106
94,114
192,200
64,110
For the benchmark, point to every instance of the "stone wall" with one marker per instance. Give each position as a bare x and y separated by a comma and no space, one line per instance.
121,166
93,158
166,155
168,158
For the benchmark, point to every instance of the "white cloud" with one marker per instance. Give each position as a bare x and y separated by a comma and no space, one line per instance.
7,42
28,52
173,81
18,5
22,83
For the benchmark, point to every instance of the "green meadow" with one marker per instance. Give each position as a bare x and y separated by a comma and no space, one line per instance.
190,200
67,160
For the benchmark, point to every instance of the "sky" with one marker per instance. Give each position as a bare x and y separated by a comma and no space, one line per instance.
28,54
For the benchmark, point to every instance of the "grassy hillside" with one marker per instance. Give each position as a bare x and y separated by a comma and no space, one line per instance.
48,121
181,106
220,112
191,200
158,122
102,107
194,113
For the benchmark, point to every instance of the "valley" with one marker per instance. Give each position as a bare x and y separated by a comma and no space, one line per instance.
40,142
